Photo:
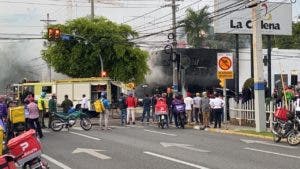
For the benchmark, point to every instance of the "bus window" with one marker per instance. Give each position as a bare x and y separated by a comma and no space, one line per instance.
47,89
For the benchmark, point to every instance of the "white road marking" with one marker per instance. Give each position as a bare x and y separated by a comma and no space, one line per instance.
92,152
46,131
185,146
175,160
266,143
77,128
52,160
270,152
168,134
83,135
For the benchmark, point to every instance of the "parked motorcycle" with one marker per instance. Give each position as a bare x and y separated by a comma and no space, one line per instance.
24,151
163,121
283,127
61,120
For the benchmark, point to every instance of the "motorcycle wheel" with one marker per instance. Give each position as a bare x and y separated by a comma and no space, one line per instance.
293,138
86,124
57,125
182,120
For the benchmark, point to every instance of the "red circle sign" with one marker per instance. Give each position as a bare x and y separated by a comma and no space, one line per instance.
225,63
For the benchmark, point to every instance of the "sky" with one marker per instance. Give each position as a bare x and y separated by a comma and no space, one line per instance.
21,18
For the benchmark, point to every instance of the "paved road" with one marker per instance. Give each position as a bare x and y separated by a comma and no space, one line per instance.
147,147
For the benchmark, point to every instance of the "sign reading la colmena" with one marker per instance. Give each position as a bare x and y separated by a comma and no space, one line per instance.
275,18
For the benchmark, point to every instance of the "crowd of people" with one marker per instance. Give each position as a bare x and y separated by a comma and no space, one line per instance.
201,109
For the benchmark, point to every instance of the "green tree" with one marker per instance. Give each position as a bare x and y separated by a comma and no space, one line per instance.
196,26
79,57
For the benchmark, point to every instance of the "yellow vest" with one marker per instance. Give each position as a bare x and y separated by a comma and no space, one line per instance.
41,103
99,107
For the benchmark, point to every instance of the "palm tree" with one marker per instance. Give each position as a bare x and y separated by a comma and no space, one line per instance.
196,26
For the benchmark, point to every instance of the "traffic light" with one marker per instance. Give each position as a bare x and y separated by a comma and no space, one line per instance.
54,34
103,74
222,82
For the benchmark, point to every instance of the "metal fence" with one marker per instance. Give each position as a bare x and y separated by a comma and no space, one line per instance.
243,114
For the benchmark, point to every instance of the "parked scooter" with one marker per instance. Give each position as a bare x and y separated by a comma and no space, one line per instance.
24,151
161,110
283,127
61,120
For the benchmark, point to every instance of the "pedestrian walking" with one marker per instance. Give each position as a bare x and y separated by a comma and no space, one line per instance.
84,103
188,101
131,104
67,104
33,118
105,114
52,108
146,108
122,106
196,109
42,108
205,109
217,105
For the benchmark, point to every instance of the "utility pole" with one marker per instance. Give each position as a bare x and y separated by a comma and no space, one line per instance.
92,9
259,85
175,71
48,21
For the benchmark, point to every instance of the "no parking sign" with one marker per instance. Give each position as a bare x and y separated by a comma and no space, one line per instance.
225,66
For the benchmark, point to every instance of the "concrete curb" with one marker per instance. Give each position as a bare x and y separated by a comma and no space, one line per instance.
233,132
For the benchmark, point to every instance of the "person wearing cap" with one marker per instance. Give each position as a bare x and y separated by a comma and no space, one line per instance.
42,109
52,108
196,108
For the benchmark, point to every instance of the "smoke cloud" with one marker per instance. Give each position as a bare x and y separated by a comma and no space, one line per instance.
22,59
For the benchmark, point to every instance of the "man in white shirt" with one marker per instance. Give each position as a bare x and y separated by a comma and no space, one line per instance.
196,108
188,107
217,105
84,103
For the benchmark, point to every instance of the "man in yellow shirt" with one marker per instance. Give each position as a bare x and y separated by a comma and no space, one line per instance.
42,109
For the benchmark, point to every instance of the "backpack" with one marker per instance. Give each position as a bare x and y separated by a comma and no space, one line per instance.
179,108
99,107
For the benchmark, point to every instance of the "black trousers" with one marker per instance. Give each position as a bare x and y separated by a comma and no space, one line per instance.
35,124
218,117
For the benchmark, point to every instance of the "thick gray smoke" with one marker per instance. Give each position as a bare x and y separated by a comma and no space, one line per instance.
157,75
21,59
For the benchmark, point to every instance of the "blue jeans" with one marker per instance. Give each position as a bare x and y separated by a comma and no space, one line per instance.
123,116
146,111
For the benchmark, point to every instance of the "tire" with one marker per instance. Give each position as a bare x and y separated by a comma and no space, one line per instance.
57,125
85,123
293,138
276,138
182,120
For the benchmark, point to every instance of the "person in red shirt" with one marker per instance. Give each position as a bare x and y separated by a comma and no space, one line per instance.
131,104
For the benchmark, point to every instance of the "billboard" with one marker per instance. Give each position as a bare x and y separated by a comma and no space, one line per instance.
231,16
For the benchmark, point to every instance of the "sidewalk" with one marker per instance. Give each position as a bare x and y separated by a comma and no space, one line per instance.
238,130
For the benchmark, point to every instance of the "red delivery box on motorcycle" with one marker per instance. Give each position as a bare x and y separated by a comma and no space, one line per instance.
7,162
25,145
281,113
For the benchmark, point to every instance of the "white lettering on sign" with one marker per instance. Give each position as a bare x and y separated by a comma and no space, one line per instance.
24,146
